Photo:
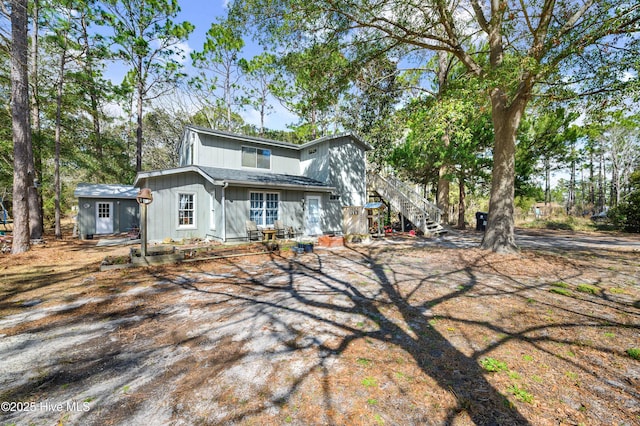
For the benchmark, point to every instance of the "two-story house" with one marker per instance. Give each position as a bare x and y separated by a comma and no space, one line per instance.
225,179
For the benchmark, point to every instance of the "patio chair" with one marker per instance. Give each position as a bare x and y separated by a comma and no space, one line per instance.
253,233
281,230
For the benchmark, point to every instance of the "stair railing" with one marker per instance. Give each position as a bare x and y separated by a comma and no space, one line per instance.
393,186
420,211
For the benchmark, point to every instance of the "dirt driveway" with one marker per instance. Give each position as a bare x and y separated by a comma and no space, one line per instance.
402,331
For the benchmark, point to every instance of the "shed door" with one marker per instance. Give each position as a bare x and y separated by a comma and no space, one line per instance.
104,218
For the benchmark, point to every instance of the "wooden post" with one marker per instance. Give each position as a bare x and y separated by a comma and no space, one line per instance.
143,230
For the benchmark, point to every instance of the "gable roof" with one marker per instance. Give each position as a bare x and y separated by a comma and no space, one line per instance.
105,190
233,177
263,141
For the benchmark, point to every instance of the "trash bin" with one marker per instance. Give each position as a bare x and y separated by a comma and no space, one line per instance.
481,221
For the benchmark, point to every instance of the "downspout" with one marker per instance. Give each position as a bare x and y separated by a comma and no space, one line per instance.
224,212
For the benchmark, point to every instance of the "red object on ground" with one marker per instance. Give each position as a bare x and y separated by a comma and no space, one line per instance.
328,241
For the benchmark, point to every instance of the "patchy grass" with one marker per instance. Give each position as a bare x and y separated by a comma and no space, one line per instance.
369,382
586,288
634,353
520,394
493,365
562,291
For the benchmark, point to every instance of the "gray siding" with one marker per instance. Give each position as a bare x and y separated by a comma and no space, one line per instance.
314,162
162,214
238,205
215,151
339,162
347,172
125,215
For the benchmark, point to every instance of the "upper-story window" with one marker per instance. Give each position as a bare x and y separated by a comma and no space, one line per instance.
256,157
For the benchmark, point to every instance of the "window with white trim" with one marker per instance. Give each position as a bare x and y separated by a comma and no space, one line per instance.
186,210
256,157
263,208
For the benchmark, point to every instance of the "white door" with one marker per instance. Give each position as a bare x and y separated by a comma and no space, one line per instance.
313,209
104,218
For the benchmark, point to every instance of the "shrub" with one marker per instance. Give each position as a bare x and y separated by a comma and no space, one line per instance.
634,353
626,215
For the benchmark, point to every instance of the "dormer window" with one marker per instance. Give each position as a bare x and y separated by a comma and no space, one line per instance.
256,157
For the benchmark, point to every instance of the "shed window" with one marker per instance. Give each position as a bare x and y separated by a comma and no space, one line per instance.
186,210
256,157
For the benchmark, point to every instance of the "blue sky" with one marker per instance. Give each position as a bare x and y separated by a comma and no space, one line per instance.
202,13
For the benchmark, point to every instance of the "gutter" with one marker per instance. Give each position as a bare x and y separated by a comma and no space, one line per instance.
308,188
224,211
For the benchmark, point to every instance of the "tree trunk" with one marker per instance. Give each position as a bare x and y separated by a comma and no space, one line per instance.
613,195
139,128
592,192
442,195
36,223
601,181
571,202
500,232
22,149
56,182
93,93
547,181
461,201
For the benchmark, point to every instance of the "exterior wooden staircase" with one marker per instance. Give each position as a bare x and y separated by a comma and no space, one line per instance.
423,214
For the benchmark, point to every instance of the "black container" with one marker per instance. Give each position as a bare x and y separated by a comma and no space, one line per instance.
481,221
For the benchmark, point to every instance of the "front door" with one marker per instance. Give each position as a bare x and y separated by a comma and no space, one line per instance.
104,218
312,215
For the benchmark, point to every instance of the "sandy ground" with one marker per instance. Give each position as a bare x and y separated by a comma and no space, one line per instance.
392,332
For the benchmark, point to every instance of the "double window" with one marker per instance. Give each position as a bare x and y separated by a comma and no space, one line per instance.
263,208
186,210
256,157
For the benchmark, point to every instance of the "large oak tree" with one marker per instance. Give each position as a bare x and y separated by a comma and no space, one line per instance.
590,44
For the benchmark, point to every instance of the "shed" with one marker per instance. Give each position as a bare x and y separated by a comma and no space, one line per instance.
106,209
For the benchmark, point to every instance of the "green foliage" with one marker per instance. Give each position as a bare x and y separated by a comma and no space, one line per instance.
524,203
626,215
369,382
544,141
561,291
262,76
520,394
634,353
453,130
586,288
493,365
318,76
219,71
370,108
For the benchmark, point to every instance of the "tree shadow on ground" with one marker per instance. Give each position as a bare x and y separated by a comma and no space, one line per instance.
200,325
308,292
